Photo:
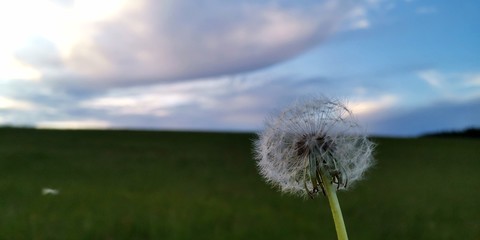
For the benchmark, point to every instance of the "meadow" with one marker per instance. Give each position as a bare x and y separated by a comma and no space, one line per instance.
186,185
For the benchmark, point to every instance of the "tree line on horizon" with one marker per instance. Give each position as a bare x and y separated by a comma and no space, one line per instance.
466,133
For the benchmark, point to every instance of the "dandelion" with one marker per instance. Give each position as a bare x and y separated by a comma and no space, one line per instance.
312,148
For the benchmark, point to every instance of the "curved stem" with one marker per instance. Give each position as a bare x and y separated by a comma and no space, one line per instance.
331,192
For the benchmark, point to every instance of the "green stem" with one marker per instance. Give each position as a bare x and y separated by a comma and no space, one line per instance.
331,192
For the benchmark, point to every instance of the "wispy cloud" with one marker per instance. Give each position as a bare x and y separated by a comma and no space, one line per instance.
432,77
452,85
358,18
472,79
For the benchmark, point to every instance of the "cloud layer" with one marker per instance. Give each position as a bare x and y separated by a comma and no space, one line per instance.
163,41
222,65
440,116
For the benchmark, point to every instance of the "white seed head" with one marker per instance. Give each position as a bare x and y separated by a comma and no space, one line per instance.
313,138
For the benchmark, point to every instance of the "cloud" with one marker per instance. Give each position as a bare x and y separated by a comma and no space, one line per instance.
13,104
358,18
148,41
237,102
27,103
148,103
15,69
472,79
190,42
432,77
438,116
64,3
41,54
458,86
205,65
219,103
363,107
79,124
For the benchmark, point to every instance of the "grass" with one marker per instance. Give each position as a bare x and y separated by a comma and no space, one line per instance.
179,185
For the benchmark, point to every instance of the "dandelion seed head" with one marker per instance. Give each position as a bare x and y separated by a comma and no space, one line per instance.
311,137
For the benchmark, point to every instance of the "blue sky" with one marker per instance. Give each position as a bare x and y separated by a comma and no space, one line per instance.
404,67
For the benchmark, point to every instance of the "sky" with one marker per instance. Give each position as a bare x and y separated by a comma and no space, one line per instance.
404,67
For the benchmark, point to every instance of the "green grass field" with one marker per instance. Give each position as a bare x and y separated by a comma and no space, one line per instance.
175,185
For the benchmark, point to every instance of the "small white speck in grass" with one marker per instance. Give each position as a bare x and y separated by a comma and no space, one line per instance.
50,191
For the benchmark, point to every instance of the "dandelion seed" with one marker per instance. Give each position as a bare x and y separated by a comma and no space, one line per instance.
313,147
315,136
50,191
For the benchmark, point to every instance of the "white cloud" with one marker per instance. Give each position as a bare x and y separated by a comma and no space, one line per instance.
10,103
365,107
11,68
73,124
455,86
147,103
